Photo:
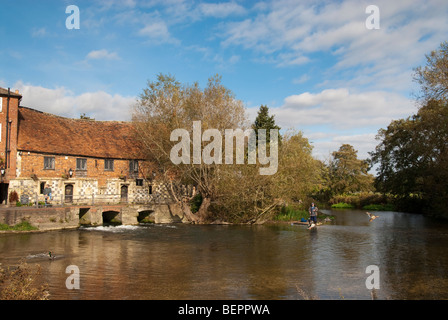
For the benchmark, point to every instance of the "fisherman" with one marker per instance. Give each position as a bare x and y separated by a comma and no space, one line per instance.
313,214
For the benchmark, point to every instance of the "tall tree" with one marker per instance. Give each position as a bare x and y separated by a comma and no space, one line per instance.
166,105
412,158
433,77
264,121
347,173
255,198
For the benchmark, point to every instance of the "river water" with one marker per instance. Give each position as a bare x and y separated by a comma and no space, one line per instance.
280,261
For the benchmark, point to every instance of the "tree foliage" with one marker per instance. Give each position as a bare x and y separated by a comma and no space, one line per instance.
166,105
347,173
412,155
248,196
433,77
234,192
264,121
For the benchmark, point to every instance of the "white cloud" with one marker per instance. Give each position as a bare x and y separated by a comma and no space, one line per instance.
63,102
102,54
363,143
332,117
341,109
157,32
221,10
289,33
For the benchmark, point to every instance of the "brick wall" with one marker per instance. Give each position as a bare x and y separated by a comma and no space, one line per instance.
32,165
10,169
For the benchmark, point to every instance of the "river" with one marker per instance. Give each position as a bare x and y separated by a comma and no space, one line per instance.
280,261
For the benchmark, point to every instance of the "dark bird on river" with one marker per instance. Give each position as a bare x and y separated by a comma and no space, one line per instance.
372,216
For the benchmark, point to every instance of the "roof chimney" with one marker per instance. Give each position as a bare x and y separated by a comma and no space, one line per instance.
17,91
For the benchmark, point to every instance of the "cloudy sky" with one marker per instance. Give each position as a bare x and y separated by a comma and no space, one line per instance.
320,66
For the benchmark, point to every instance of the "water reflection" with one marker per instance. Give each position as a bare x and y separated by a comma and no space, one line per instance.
244,262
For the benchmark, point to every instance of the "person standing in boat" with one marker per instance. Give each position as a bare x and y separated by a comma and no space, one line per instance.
313,213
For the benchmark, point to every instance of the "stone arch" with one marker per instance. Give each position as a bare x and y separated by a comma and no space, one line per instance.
146,216
111,217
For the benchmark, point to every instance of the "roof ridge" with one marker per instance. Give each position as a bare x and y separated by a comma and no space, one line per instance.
75,119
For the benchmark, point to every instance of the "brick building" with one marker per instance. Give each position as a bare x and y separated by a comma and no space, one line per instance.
81,160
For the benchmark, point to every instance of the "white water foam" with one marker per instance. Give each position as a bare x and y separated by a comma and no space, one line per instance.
115,229
125,228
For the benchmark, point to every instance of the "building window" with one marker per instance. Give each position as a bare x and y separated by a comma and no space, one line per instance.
109,165
133,166
81,164
48,163
139,182
150,189
1,104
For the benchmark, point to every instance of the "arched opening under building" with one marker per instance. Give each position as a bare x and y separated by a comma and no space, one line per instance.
146,216
111,218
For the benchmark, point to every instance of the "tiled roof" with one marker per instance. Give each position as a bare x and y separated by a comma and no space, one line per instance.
4,92
46,133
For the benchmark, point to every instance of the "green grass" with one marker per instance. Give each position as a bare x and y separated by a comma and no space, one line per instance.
290,214
379,207
342,205
22,226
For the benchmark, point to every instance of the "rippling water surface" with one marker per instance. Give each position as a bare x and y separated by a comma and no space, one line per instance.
280,261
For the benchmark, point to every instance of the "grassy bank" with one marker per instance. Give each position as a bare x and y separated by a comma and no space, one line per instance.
364,200
22,226
291,214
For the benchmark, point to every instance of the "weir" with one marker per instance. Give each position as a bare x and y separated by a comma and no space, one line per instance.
53,218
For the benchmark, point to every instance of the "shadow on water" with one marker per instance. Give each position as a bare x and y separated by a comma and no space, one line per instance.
280,261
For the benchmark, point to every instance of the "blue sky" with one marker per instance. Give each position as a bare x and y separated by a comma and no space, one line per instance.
315,64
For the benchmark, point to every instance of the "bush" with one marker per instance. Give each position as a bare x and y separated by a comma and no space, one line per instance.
342,205
362,199
22,283
379,207
22,226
